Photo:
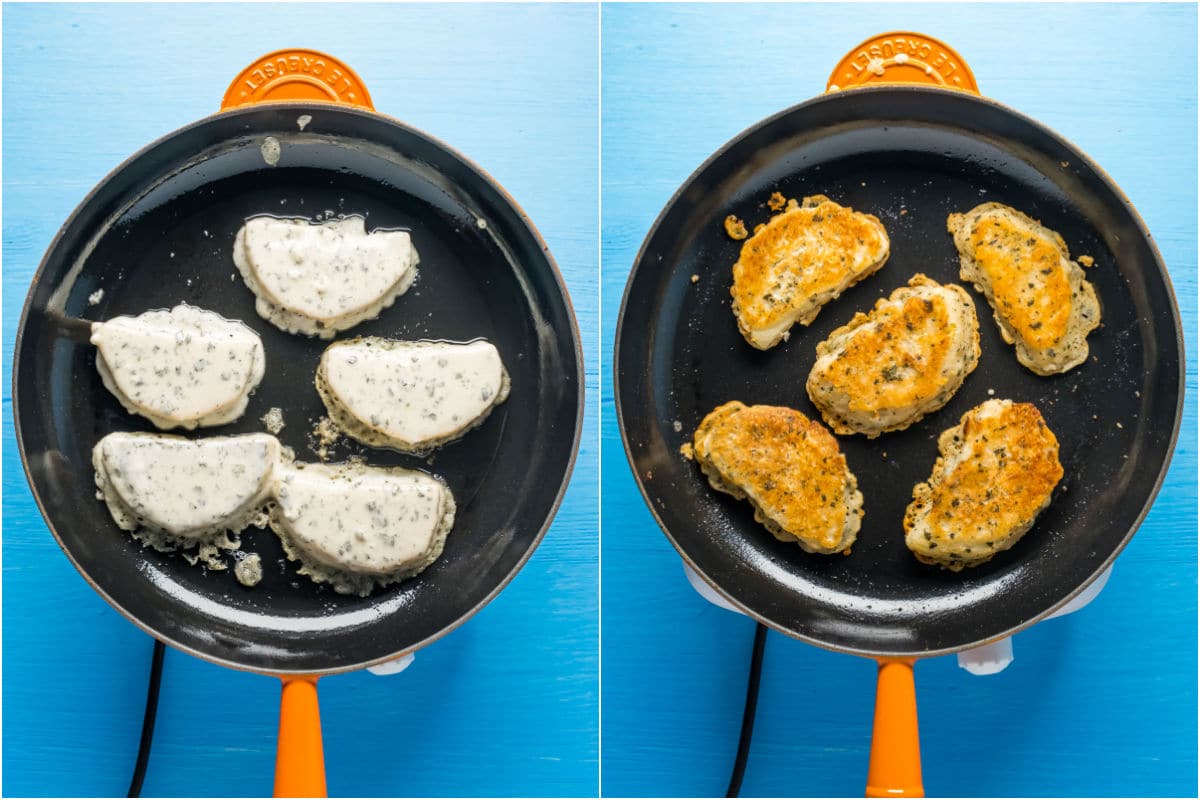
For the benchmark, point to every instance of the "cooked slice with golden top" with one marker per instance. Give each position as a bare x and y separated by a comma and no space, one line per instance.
997,471
906,358
789,468
803,258
1040,298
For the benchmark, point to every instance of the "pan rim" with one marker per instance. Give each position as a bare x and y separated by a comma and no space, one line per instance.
487,179
1108,182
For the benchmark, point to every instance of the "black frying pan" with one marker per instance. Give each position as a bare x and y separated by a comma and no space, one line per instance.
911,156
159,230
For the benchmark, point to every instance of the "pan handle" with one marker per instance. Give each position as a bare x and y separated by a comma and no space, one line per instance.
299,759
895,769
297,74
902,57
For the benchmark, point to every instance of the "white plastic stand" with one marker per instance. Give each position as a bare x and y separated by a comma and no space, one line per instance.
393,667
987,659
707,592
992,658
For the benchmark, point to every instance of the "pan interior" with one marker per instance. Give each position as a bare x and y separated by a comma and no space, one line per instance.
910,158
160,232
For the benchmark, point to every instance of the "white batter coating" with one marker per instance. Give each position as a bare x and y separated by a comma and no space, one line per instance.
248,570
174,493
357,526
321,278
184,368
412,396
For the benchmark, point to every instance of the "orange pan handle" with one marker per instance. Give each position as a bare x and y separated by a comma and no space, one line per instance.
299,759
297,74
902,57
895,769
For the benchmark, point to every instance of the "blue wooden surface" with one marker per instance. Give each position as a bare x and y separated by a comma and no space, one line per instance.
1099,703
507,704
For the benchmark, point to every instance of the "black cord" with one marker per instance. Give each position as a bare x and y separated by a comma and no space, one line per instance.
743,751
143,756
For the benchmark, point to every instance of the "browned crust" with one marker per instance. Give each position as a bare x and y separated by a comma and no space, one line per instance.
870,378
1040,298
996,472
734,228
803,258
788,466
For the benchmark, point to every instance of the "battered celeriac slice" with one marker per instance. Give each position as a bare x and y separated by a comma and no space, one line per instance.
321,278
1040,298
997,471
411,396
802,259
789,468
904,359
173,493
357,527
182,368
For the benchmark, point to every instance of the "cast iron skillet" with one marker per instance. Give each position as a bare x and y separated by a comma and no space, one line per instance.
159,231
911,156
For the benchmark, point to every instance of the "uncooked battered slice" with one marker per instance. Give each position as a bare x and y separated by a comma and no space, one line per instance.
1039,297
997,471
411,396
906,358
182,368
358,527
801,260
788,467
321,278
173,493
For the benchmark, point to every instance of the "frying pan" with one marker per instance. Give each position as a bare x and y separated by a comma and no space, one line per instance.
159,230
910,153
